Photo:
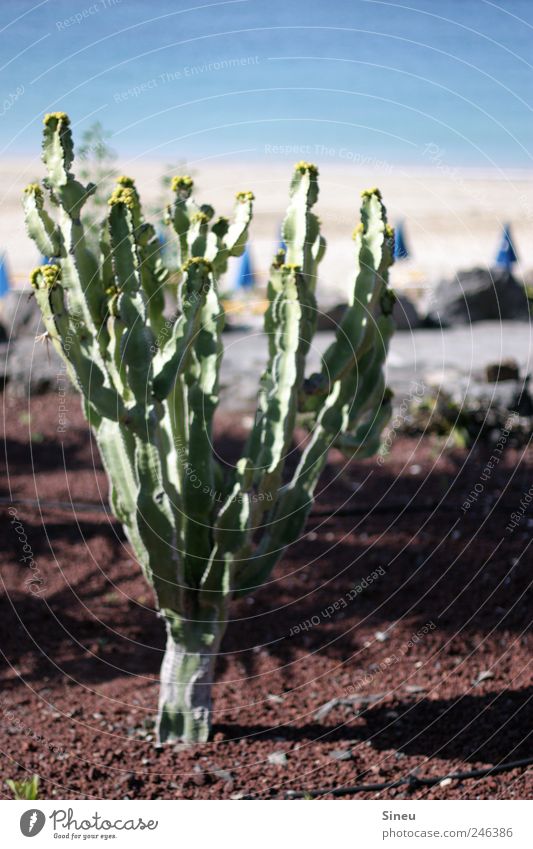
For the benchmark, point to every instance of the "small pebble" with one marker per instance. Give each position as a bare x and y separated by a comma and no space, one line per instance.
277,759
381,636
340,755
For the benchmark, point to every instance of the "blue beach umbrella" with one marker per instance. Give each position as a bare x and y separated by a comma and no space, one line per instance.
401,251
245,278
506,256
5,283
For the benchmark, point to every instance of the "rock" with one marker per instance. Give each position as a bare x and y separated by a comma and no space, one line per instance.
340,755
485,675
479,295
4,352
223,774
331,319
277,759
405,314
326,708
505,370
19,314
32,367
503,396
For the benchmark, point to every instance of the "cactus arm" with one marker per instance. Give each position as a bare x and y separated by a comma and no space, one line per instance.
201,241
317,254
372,258
155,521
253,443
117,447
156,514
40,226
114,359
174,358
137,342
305,249
366,439
58,148
284,371
198,480
301,228
218,252
291,320
154,277
179,214
370,379
336,425
43,279
231,535
75,344
231,237
237,235
152,273
80,271
293,505
58,156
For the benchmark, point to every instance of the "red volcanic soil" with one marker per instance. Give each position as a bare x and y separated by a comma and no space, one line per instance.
326,679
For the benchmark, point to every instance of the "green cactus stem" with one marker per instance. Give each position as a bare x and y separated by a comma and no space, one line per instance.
187,677
150,389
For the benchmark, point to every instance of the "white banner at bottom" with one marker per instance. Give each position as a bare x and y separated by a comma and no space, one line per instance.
308,823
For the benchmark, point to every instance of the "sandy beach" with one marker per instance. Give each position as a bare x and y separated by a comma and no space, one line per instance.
453,218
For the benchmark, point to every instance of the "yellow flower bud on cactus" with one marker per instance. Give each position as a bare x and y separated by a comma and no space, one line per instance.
303,166
199,262
200,218
125,195
242,197
368,193
181,182
60,117
45,276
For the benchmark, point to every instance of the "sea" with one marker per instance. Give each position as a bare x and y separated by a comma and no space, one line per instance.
415,82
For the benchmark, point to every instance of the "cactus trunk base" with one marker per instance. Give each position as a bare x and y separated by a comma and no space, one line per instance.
187,675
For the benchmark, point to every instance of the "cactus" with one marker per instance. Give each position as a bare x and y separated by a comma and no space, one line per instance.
150,390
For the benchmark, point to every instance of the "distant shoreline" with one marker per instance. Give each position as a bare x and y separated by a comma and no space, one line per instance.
453,217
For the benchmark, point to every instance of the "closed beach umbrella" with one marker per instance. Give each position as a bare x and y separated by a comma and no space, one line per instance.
245,278
506,256
401,250
5,284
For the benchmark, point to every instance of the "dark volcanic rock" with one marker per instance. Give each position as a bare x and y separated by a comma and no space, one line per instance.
32,367
504,370
405,314
479,295
19,314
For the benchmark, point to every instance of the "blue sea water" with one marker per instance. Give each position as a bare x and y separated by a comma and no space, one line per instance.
399,82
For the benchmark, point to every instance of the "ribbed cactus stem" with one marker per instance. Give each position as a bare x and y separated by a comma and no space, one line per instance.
187,676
